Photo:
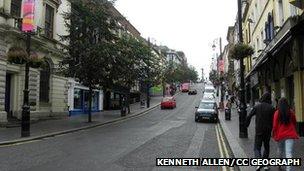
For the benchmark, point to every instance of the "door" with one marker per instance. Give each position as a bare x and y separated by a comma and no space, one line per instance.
8,95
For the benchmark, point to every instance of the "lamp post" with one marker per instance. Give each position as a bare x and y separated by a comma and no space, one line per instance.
28,7
25,118
148,77
242,112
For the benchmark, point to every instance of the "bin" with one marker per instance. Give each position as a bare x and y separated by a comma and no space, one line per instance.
227,114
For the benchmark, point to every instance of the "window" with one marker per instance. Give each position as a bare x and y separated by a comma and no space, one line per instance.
44,84
49,21
281,12
78,98
249,33
269,29
258,45
256,11
16,8
262,38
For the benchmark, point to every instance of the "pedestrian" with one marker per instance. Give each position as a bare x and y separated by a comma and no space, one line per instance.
284,129
263,112
228,104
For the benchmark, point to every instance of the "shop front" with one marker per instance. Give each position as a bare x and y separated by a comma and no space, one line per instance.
79,99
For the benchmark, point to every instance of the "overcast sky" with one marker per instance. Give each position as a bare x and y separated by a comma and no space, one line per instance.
186,25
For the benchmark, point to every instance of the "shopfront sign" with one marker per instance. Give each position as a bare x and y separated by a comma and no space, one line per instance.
28,10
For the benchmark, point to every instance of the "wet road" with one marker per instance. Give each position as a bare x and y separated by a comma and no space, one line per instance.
132,144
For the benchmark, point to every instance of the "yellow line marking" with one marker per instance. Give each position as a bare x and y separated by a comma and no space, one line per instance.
224,145
219,145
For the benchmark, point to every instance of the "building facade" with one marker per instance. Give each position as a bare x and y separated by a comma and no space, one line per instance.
48,89
275,30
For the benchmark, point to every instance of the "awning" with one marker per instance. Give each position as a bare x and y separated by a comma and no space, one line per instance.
297,3
290,27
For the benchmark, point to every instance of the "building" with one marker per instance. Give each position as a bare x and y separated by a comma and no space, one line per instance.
51,94
48,89
275,30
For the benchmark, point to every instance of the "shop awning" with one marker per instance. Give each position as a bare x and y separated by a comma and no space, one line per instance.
277,43
297,3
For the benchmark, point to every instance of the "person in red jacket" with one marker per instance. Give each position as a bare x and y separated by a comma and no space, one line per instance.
284,129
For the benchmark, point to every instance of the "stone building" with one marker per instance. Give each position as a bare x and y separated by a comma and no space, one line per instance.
275,30
48,90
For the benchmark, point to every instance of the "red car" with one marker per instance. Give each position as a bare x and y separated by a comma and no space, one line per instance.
168,102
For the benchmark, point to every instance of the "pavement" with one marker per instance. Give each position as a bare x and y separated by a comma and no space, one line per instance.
58,126
243,147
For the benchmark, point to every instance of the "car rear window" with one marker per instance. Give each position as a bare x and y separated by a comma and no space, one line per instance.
165,99
206,105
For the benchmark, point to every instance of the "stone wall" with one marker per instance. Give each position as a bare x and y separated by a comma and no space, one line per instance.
3,114
59,95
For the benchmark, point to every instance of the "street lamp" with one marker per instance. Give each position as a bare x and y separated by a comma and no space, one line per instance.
27,27
148,77
243,133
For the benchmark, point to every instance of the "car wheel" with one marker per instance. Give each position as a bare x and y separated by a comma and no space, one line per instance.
162,107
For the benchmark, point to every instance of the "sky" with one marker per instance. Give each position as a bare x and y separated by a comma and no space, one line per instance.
190,26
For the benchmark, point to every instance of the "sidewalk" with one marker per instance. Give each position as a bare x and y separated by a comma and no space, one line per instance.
243,148
71,124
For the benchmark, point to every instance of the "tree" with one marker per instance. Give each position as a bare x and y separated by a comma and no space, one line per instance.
97,57
180,73
89,56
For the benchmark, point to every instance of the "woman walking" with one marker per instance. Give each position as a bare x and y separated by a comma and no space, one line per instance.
284,129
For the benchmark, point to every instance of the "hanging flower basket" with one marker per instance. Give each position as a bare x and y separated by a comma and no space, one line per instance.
240,51
17,55
35,61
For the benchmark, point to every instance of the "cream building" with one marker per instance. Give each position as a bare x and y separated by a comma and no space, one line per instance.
274,28
48,90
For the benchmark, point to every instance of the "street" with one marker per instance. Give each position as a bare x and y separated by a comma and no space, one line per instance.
128,145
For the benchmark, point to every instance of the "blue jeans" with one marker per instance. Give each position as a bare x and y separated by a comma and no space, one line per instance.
285,150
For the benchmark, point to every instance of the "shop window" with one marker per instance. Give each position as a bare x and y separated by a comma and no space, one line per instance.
44,89
78,98
16,8
49,21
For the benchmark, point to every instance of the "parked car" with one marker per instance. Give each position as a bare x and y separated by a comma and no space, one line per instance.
168,103
192,92
207,110
209,89
209,96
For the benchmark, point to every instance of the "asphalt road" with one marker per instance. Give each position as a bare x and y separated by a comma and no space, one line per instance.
132,144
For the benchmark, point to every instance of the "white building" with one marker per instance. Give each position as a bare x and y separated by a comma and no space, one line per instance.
50,93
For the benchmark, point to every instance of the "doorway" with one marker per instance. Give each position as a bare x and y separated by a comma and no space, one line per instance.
7,101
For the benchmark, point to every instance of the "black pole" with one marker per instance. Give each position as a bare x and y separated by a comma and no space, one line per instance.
25,118
148,78
242,112
90,105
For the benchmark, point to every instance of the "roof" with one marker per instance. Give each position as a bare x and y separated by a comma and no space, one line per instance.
124,22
